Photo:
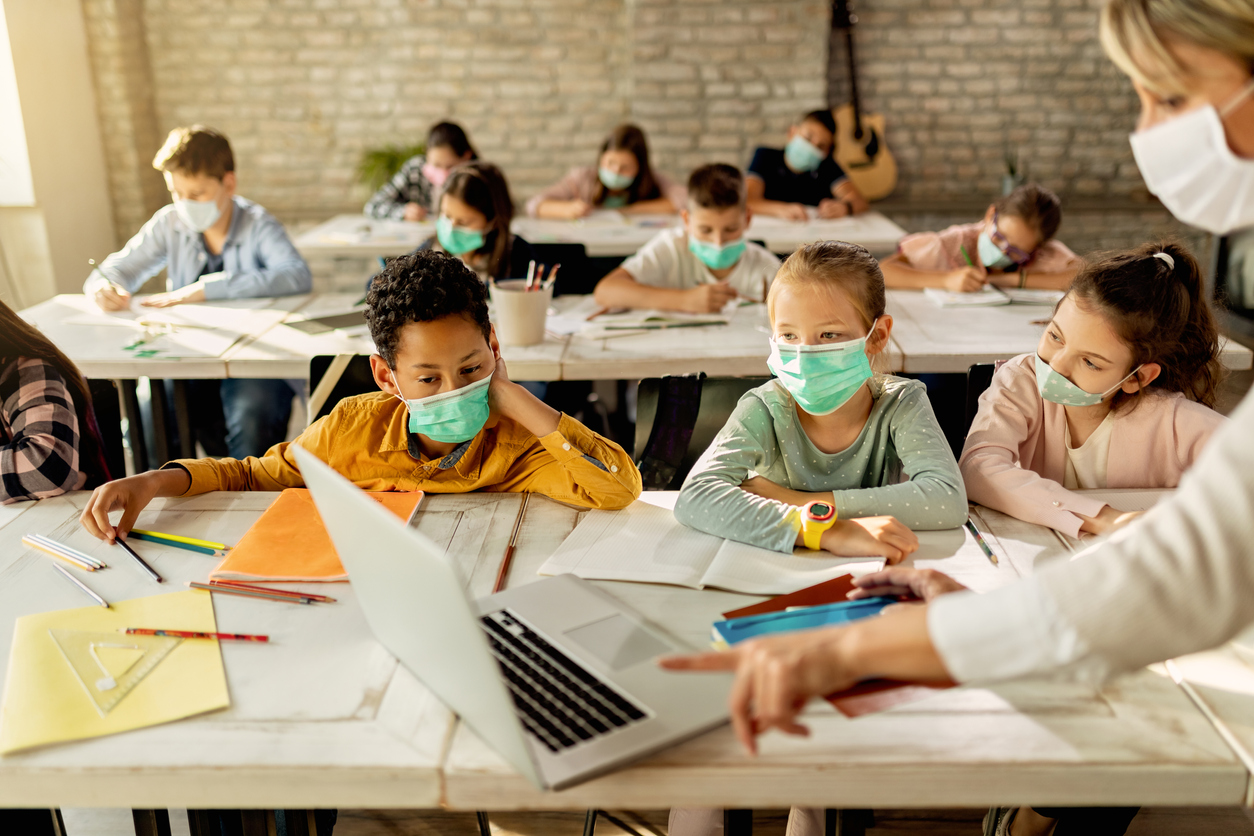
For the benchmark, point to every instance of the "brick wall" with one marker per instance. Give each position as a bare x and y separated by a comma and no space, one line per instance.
304,86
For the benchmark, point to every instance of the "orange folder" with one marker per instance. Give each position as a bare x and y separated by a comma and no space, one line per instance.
866,697
290,543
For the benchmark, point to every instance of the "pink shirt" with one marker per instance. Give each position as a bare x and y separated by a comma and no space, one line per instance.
942,250
580,184
1015,456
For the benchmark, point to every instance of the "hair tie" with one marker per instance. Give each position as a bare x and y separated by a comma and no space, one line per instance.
1168,260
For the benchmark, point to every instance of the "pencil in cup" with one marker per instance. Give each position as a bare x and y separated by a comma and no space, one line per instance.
70,555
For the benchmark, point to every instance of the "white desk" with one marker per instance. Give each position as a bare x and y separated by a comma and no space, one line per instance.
1137,741
603,234
322,717
936,339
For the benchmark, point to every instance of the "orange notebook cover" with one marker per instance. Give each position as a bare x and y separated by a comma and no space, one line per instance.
290,543
865,697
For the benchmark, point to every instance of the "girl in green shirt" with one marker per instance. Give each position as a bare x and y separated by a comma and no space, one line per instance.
828,429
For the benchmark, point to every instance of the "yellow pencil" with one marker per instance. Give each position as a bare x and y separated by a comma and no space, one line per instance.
178,538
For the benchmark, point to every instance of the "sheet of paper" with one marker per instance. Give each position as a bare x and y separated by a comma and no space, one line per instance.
44,701
639,543
1032,296
1128,499
743,568
988,297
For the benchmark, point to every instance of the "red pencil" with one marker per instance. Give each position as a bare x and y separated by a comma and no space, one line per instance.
325,599
503,573
248,593
193,634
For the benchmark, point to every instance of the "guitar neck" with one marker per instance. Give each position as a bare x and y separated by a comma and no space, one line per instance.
844,20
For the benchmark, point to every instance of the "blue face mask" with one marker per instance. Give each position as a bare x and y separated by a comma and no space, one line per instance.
991,255
821,378
714,256
614,181
198,214
801,155
457,240
1057,389
450,417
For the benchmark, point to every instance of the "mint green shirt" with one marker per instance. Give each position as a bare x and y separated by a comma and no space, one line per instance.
900,466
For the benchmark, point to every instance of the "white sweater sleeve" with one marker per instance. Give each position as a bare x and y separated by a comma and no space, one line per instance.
1177,581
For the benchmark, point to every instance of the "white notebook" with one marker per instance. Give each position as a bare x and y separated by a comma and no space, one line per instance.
987,297
647,544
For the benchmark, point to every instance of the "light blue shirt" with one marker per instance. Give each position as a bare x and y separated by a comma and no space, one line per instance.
258,259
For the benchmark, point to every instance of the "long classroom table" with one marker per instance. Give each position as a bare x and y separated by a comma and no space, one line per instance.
324,717
604,234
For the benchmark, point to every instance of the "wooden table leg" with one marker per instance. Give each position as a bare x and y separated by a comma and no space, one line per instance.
481,818
151,822
134,427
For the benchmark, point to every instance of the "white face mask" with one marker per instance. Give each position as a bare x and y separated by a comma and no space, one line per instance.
198,214
1187,164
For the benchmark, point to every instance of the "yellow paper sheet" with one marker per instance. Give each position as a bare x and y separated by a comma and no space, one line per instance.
44,701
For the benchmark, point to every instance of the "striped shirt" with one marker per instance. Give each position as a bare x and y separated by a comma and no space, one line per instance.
409,185
39,432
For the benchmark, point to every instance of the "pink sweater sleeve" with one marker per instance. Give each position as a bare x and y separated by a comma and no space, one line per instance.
571,187
1010,416
1193,424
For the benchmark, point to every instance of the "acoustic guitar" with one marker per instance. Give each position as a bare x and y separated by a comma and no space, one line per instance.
860,147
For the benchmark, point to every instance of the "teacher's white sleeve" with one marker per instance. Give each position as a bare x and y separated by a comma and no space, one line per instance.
1179,580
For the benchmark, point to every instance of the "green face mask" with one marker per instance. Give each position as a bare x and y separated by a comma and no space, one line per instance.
450,417
457,239
821,378
614,181
714,256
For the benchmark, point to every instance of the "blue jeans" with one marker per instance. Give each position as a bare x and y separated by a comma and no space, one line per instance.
256,413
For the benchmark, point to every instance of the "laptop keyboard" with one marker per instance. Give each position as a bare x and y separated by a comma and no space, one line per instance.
558,700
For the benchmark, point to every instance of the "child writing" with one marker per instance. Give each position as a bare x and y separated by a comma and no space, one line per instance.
704,264
827,429
49,443
783,182
413,193
1013,245
475,214
1117,395
213,244
622,180
448,419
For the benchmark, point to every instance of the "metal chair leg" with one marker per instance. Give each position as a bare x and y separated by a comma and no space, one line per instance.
151,822
485,827
590,823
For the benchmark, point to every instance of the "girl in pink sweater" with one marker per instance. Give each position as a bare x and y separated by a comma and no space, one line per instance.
1117,395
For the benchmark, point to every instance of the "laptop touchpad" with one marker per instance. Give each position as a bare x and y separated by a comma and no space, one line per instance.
618,641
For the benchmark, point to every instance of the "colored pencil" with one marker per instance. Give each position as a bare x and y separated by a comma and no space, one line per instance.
194,634
102,602
148,570
248,593
552,277
188,546
322,599
70,550
55,549
983,545
531,274
963,250
508,557
178,538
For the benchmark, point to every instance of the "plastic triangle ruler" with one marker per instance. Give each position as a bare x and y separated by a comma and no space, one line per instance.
98,660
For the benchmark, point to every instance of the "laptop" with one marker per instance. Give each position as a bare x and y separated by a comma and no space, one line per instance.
557,675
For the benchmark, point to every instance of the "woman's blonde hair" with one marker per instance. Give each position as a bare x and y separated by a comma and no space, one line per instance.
1136,34
834,264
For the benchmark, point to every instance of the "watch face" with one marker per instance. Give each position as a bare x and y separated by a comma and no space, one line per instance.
820,510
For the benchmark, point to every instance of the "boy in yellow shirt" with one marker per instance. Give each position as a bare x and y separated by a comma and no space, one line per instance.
447,419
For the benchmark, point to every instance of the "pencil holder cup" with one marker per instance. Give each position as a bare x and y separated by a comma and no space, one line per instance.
520,313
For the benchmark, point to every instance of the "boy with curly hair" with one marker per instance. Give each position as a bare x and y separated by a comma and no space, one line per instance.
447,419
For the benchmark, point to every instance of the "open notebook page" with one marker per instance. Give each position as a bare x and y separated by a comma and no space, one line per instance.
742,568
639,543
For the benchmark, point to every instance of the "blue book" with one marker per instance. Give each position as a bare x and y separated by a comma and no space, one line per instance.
734,630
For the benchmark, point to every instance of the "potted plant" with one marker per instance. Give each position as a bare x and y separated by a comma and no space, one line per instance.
379,165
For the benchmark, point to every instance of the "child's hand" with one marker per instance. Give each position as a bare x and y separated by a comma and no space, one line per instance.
1107,520
110,297
414,212
924,584
571,209
870,537
130,495
794,212
707,298
832,208
965,279
194,292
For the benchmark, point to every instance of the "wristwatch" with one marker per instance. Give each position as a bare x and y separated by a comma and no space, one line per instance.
816,517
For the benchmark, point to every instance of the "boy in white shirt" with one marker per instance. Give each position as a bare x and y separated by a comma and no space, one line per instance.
703,265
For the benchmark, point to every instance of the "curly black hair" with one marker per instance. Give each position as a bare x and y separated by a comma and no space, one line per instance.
422,287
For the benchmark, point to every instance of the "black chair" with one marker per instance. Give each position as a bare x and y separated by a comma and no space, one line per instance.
979,378
676,419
